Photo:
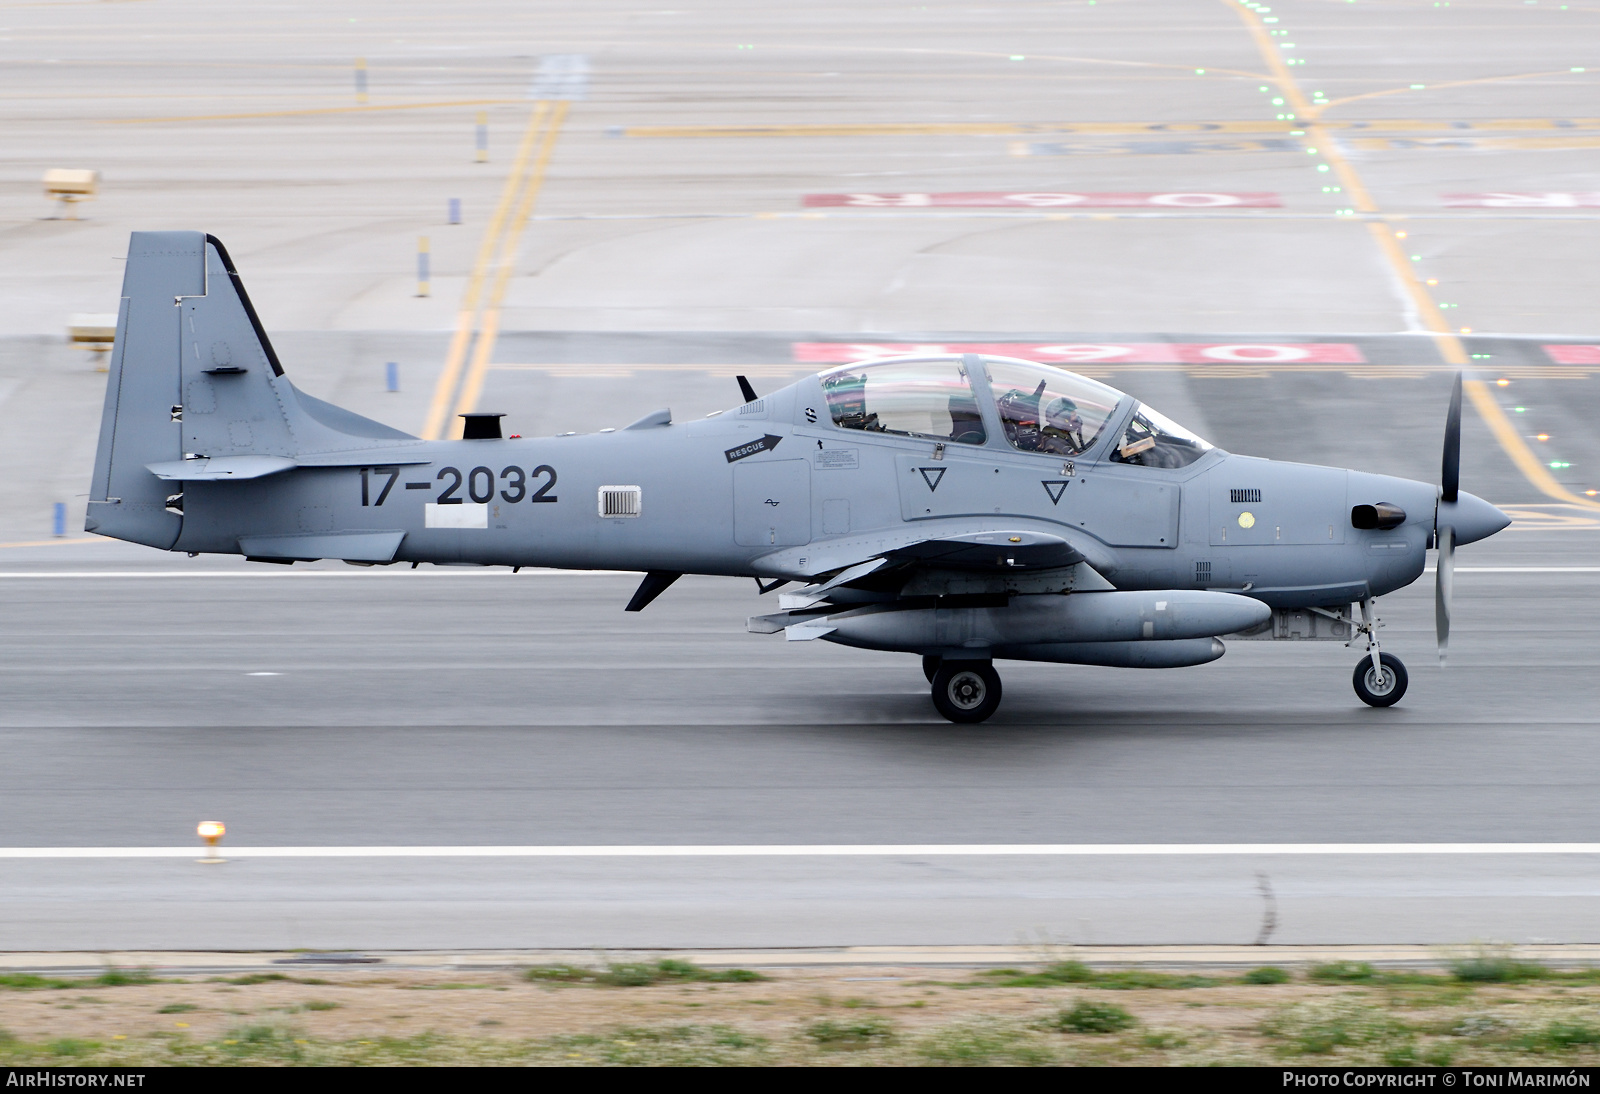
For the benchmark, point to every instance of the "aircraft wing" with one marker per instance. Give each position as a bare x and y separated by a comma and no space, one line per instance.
944,545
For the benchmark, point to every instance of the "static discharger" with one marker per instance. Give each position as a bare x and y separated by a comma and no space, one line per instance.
211,832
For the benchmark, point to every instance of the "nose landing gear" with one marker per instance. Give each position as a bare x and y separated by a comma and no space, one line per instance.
1380,678
964,691
1380,685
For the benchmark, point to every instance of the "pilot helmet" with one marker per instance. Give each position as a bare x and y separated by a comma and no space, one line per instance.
1062,413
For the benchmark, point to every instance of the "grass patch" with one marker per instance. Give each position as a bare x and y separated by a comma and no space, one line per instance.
176,1008
1494,966
123,978
1266,974
319,1004
22,981
1559,1035
974,1044
453,986
1076,972
638,974
1163,1038
1343,972
849,1032
71,1046
250,978
1313,1029
669,1046
1090,1016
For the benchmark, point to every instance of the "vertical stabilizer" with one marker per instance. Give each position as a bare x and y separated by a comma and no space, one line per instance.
193,375
142,391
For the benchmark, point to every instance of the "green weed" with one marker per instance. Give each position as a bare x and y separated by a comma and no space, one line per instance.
68,1046
176,1008
1318,1029
983,1043
1089,1016
1076,972
21,981
849,1033
1343,972
1494,966
638,974
1266,974
122,978
1559,1035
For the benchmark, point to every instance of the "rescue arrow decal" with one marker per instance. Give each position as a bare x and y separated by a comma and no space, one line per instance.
1055,488
932,476
751,448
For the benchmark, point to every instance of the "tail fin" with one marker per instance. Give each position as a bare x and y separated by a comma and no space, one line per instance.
193,374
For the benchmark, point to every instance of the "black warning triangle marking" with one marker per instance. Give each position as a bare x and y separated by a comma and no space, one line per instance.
932,476
1055,488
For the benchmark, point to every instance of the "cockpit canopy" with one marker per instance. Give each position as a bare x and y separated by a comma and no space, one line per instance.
1041,409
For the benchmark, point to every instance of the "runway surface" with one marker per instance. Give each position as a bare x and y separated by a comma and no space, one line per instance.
451,707
735,190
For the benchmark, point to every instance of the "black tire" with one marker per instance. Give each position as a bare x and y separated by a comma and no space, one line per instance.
966,691
1384,693
930,667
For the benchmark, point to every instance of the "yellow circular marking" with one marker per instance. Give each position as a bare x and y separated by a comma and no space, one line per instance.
1247,520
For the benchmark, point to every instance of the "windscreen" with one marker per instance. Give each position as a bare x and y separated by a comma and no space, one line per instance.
1049,410
931,398
1154,440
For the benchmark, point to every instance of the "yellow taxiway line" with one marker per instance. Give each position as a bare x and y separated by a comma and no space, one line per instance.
519,184
472,385
1319,139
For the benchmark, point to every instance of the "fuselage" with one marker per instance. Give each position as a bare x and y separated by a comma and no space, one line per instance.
769,488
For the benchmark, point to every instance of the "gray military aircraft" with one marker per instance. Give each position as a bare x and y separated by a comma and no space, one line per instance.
960,508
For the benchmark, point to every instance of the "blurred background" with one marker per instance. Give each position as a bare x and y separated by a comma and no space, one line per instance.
1284,225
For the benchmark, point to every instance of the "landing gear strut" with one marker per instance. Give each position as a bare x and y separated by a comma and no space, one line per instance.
1380,678
965,691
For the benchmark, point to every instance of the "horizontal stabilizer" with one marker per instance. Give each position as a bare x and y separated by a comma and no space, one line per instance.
350,546
220,468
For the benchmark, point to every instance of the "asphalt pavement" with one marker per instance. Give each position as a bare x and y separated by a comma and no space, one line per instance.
740,190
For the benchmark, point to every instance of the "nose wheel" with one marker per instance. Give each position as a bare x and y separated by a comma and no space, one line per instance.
966,691
1380,685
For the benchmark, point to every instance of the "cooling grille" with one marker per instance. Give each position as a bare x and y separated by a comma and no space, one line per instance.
620,501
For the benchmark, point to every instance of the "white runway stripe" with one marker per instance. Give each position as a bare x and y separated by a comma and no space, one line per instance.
489,571
819,850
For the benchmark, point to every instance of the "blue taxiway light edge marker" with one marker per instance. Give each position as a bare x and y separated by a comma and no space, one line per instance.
821,850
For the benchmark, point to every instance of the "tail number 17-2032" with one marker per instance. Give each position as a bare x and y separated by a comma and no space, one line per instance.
479,483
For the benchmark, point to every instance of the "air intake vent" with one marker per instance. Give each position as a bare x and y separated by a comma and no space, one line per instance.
1241,496
620,501
749,409
1202,572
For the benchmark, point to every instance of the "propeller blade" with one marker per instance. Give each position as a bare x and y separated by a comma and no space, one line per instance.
1450,476
1442,590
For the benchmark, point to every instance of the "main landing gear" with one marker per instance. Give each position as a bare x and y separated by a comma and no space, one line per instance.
1380,678
963,691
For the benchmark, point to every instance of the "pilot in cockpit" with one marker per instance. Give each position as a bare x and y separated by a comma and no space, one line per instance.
1062,434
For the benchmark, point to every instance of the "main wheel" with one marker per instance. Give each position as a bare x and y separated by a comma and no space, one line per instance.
966,691
930,666
1380,690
